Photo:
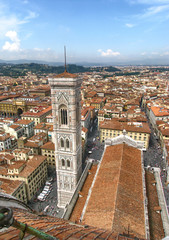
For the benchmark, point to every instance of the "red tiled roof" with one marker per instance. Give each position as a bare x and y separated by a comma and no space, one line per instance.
9,186
59,228
65,74
49,145
23,122
160,112
117,199
131,127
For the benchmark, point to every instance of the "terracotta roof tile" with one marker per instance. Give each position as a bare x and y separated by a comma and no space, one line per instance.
159,111
49,145
58,228
65,74
118,189
128,126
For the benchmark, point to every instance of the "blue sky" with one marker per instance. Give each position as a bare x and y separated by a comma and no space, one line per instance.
112,31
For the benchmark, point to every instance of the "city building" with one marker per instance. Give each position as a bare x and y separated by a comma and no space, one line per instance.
32,172
46,128
85,117
140,132
66,110
158,113
48,150
28,127
15,188
14,130
35,142
37,114
5,141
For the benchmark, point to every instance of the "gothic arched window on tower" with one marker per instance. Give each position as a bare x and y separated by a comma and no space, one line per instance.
63,118
62,143
67,143
68,163
63,162
77,112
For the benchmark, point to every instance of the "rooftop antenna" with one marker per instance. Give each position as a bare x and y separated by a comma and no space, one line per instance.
65,57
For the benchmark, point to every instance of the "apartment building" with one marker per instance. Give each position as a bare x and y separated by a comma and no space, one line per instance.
158,113
16,189
46,128
32,172
48,150
34,143
85,117
22,154
140,132
28,126
14,130
5,141
98,103
37,114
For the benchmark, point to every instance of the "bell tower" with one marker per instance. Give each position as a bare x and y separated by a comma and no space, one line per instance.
66,109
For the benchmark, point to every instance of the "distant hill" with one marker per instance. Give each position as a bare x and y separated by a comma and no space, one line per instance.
16,70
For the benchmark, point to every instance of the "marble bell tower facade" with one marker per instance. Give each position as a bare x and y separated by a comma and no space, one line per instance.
66,110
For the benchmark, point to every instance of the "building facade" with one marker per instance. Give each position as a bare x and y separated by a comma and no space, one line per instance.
66,109
139,132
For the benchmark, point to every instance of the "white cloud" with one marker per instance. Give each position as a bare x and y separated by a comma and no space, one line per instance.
129,25
154,53
14,45
143,53
151,11
30,54
149,2
12,19
31,15
12,35
25,2
165,54
108,53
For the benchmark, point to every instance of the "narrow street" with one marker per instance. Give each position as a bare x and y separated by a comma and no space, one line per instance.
94,147
153,158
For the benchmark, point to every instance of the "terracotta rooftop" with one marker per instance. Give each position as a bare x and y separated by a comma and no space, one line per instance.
116,200
131,127
44,126
9,186
49,145
84,129
65,74
159,111
29,167
6,136
16,127
77,211
23,122
58,228
37,113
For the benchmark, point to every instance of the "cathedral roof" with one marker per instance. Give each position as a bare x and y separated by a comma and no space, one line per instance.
116,198
57,228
